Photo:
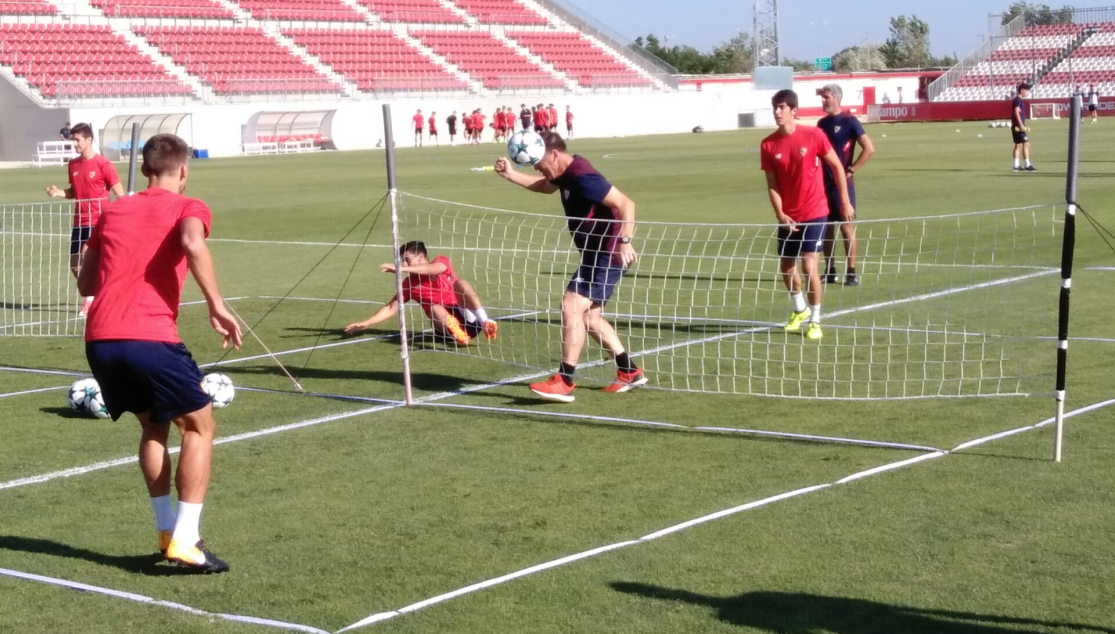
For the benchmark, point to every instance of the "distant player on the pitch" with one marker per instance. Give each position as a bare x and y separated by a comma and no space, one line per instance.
602,221
1093,101
92,179
451,123
419,123
791,158
450,302
568,122
136,264
433,128
1019,130
844,132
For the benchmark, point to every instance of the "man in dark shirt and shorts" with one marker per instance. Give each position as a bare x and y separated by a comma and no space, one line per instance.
844,132
602,222
451,123
1019,130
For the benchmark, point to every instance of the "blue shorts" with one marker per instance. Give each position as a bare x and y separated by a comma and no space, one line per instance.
147,376
597,277
78,237
809,238
833,196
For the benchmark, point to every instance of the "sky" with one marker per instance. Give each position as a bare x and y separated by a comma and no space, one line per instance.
807,28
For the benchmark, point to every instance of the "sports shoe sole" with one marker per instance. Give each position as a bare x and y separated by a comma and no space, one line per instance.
627,387
550,396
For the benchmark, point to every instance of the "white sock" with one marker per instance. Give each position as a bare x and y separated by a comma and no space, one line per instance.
164,513
797,301
1027,162
186,527
1016,163
470,317
815,313
481,315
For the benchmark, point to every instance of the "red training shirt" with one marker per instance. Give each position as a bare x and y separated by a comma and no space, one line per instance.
795,160
142,266
552,119
429,290
91,180
433,124
568,117
418,120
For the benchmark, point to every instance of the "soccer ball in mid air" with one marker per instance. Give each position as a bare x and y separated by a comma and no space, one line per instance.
526,148
85,397
219,388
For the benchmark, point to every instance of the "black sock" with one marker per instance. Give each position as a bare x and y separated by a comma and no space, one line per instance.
623,361
851,270
566,371
832,270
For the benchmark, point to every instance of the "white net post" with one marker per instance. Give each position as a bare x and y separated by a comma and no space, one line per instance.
392,193
38,292
944,307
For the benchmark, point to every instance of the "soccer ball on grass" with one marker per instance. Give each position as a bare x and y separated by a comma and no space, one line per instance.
526,148
219,388
85,397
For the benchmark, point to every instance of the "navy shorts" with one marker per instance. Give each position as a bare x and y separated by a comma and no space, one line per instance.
833,196
78,237
1019,137
147,376
809,238
597,277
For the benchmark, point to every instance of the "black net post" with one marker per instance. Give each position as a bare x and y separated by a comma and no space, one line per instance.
1067,247
132,153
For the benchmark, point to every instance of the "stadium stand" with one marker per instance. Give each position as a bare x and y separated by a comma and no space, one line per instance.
29,7
579,59
160,9
412,11
375,60
500,12
1093,62
237,60
302,10
481,55
75,61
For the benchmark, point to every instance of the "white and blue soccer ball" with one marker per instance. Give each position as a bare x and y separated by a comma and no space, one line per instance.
526,148
219,388
95,405
84,393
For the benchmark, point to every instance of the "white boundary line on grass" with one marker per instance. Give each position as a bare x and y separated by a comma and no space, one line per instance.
35,391
414,607
139,598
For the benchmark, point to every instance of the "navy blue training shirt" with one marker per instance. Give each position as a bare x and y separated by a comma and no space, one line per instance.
583,190
843,131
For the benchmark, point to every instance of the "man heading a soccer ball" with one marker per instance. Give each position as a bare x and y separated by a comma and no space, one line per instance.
602,222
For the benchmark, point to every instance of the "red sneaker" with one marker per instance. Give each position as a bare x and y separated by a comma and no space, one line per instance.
491,330
626,381
554,389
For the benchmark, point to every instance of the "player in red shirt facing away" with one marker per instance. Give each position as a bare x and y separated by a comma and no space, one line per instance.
791,158
419,122
433,128
552,117
92,178
450,302
136,265
601,220
568,123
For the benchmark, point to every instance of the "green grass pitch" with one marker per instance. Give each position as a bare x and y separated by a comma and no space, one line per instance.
373,507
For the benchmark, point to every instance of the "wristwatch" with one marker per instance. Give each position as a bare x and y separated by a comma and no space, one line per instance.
624,240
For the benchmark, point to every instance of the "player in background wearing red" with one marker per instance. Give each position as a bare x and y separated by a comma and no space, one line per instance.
136,265
552,117
450,302
433,128
791,158
92,177
568,123
419,123
498,124
479,125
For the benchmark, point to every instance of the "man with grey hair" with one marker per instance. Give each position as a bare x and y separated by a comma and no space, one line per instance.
844,132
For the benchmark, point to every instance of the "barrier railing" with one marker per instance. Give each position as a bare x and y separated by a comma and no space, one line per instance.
944,82
109,92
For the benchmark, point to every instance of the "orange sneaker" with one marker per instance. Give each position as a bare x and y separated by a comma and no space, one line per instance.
626,381
554,389
455,329
491,330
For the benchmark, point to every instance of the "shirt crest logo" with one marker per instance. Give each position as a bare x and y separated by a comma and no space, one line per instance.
836,129
778,156
92,174
565,194
802,151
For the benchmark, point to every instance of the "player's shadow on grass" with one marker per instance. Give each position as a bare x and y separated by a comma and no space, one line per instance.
802,613
424,381
63,412
152,564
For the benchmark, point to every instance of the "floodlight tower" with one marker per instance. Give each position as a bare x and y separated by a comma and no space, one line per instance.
766,33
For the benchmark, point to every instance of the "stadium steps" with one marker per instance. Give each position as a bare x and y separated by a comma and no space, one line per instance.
271,29
368,16
1065,52
622,59
474,85
570,84
122,27
22,85
465,15
240,13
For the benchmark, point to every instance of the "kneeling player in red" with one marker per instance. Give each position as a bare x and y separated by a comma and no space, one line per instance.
135,265
450,302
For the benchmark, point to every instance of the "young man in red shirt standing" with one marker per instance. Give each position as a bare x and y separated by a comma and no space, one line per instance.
791,158
552,115
433,128
92,178
136,264
568,123
419,122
